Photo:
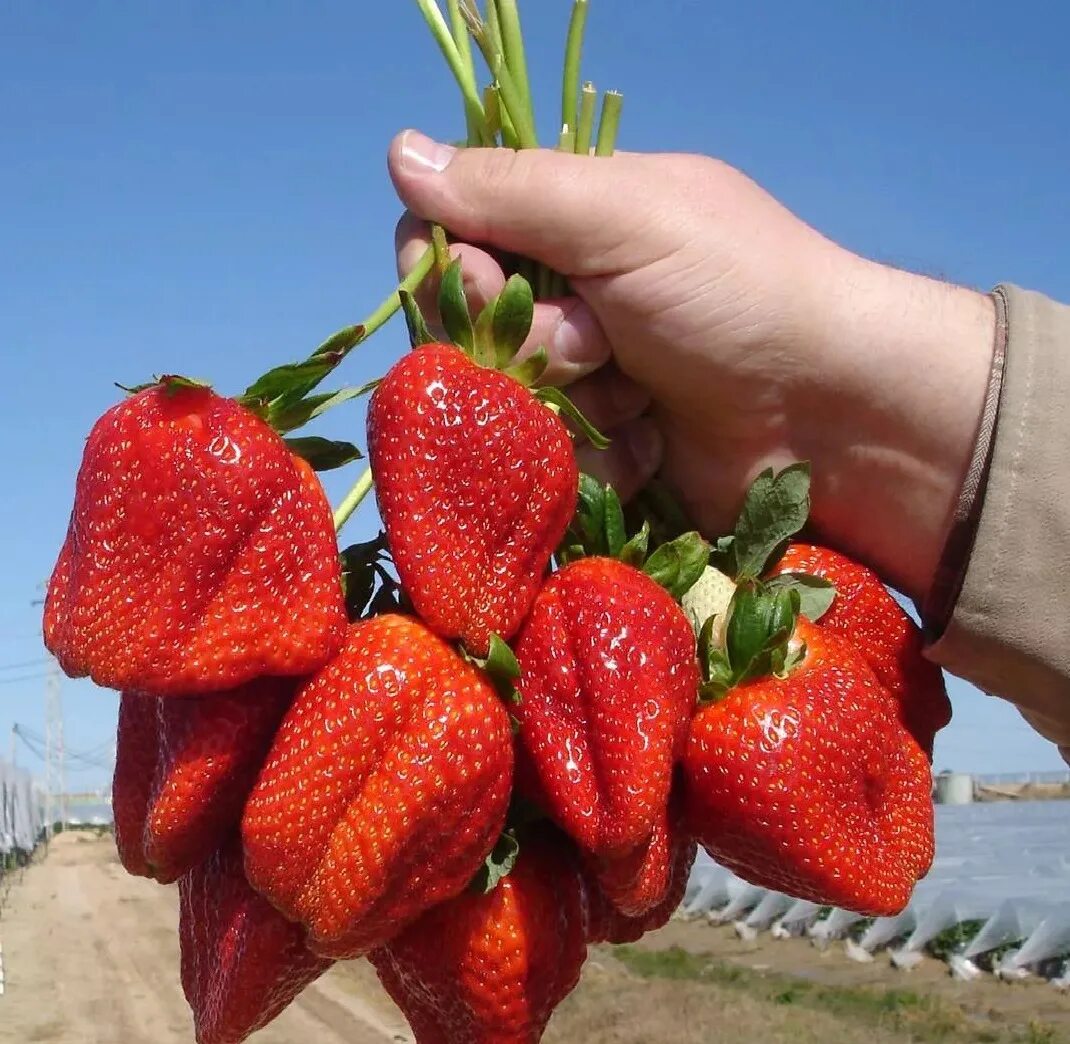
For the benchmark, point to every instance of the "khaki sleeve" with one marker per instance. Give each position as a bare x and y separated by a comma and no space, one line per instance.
1009,631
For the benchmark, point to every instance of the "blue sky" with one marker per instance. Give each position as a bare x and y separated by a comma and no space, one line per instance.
201,188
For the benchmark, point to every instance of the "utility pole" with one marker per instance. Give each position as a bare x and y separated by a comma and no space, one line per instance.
14,736
55,765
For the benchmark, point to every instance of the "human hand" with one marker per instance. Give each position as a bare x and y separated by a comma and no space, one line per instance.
740,338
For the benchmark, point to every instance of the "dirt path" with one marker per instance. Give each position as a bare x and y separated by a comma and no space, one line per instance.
91,957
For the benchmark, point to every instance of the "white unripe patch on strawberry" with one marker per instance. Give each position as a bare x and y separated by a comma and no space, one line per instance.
709,596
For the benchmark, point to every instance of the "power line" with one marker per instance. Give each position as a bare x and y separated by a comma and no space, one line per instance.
24,678
39,662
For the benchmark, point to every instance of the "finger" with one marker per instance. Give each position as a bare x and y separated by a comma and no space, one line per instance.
608,399
481,274
566,327
632,459
573,338
577,214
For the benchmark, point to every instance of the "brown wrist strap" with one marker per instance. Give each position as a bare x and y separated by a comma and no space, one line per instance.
954,560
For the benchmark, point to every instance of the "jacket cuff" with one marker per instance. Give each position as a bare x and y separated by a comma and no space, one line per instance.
1009,631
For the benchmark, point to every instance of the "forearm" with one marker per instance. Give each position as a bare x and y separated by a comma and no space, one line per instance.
912,398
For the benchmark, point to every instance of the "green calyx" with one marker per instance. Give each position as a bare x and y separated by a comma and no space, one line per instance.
502,670
494,339
369,588
757,639
169,384
599,527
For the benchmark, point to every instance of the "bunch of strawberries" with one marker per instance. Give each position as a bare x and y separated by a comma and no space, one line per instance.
472,765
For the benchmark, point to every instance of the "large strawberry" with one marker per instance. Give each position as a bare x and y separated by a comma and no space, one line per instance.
642,882
489,968
864,612
608,680
386,787
476,482
802,778
183,769
200,552
242,961
660,880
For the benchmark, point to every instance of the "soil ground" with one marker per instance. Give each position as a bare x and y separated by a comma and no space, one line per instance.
91,957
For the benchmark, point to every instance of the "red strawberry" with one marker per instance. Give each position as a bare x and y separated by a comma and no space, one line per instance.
200,552
864,612
608,681
242,961
183,769
476,483
810,785
491,968
386,787
646,879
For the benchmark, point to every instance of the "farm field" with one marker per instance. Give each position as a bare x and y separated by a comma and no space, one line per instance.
91,957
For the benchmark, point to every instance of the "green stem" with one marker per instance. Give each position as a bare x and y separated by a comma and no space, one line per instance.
513,39
513,104
570,84
464,50
463,75
609,123
361,488
585,124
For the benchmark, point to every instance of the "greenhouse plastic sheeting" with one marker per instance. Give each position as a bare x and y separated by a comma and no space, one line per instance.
22,814
1006,865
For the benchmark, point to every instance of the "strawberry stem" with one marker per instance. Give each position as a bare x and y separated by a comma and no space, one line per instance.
570,83
464,51
361,488
513,40
609,123
464,76
585,123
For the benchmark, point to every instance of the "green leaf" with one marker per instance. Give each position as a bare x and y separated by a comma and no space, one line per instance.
341,342
679,563
775,509
760,624
324,454
501,668
498,864
289,382
286,416
360,570
556,397
615,533
414,320
591,513
172,383
530,369
511,319
453,308
634,551
816,594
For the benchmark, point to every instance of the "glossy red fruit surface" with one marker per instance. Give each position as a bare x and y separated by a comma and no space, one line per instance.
242,961
386,787
200,552
608,681
476,482
811,786
881,631
183,769
491,968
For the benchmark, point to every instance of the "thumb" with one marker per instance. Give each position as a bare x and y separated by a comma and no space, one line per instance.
577,214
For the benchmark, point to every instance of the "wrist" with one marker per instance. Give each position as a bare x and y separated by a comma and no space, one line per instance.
912,358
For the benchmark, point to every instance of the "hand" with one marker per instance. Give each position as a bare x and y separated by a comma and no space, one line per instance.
753,340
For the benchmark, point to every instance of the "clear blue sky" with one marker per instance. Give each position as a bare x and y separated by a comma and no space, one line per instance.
201,188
